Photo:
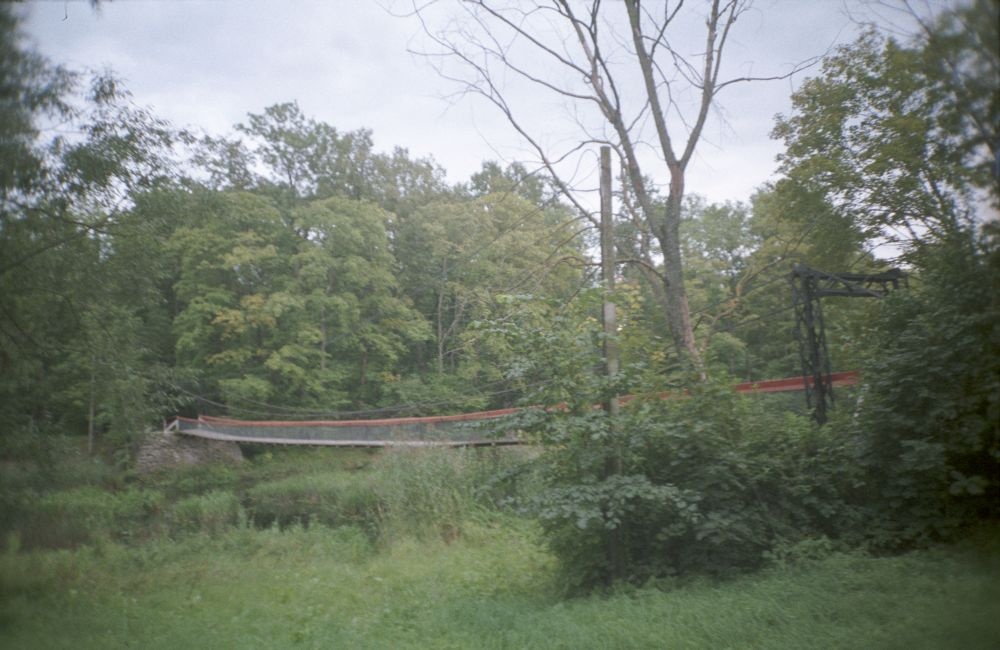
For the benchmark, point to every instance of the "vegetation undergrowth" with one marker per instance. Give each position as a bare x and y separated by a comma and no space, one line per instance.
493,588
423,549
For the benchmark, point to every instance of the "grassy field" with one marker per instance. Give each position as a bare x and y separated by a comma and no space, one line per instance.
484,580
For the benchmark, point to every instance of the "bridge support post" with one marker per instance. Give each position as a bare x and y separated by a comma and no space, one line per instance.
808,286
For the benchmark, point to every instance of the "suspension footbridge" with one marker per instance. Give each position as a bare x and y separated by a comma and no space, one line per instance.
462,430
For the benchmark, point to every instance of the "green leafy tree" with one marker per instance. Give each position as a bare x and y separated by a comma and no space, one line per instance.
717,244
347,269
930,419
901,136
303,313
305,159
308,158
459,258
738,257
792,225
898,136
515,179
704,483
628,84
72,303
30,87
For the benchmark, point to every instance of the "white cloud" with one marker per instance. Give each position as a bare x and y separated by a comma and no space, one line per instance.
208,64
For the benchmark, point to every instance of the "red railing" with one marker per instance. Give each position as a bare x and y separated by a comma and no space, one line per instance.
788,384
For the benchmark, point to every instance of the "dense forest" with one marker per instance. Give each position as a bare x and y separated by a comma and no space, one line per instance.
291,270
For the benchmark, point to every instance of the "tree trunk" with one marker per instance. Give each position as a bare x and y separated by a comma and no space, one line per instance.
676,302
324,339
440,331
91,412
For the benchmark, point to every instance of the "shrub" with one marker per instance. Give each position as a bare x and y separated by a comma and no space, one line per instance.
427,491
705,484
929,424
51,462
88,514
268,463
331,499
431,493
211,513
199,479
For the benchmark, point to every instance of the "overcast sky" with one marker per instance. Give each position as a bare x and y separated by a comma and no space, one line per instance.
207,64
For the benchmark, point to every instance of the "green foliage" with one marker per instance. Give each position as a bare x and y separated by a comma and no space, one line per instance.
212,512
298,313
311,273
705,483
434,493
404,494
459,258
69,518
400,494
308,273
900,134
306,159
513,179
268,463
710,483
183,482
432,394
74,350
932,403
318,587
331,499
705,472
29,86
391,496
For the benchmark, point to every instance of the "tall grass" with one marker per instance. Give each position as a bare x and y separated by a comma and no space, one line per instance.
213,513
318,587
421,493
409,549
431,493
332,499
87,514
426,493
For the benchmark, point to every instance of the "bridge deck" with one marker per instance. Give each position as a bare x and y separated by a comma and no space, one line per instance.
433,431
215,435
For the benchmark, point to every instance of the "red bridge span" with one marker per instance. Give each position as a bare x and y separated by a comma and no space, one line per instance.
462,430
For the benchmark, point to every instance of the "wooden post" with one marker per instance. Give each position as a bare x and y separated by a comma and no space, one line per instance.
613,462
610,316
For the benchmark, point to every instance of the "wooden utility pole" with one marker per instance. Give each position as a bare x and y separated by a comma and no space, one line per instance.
610,316
613,463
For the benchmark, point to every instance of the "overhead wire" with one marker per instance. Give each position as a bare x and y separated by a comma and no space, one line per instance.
358,413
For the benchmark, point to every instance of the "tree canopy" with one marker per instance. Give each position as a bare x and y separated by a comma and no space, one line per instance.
288,269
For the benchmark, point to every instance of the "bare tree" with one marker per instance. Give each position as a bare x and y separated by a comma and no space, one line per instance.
630,75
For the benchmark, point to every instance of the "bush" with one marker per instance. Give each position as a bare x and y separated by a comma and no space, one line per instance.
431,492
332,499
211,513
47,463
706,484
83,515
192,481
929,423
268,462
